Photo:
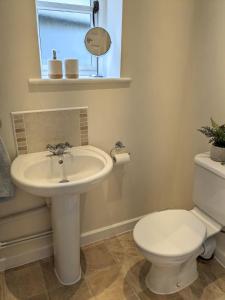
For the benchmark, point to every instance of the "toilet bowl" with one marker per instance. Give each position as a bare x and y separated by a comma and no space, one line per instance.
172,240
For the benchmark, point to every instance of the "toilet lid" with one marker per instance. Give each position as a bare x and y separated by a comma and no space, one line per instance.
170,233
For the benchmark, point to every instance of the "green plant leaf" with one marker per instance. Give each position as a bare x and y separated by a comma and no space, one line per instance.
214,124
215,134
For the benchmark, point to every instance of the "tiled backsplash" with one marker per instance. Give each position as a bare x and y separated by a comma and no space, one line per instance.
33,130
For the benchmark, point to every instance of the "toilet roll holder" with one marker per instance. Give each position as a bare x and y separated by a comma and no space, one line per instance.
118,148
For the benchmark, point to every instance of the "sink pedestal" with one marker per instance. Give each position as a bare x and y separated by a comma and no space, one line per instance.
39,174
65,213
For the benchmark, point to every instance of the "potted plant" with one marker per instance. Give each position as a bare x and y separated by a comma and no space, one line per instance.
216,135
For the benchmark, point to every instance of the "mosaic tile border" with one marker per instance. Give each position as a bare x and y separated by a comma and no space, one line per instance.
19,127
20,133
83,127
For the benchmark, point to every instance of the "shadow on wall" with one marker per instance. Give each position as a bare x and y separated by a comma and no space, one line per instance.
110,191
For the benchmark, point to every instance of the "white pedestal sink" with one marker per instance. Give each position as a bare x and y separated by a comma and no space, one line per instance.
42,175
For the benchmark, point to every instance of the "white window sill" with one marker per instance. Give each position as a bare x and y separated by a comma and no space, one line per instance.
100,81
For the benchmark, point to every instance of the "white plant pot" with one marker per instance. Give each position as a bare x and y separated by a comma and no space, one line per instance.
217,153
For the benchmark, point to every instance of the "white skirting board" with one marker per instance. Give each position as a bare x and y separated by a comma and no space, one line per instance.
36,249
21,254
108,231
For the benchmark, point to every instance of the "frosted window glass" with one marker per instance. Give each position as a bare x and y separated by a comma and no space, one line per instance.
76,2
65,32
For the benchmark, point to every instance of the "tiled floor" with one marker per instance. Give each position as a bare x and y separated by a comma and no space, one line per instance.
112,270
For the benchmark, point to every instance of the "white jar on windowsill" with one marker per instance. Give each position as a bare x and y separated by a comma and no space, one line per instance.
55,67
72,68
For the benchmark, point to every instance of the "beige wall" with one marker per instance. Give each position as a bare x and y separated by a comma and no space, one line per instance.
156,117
208,72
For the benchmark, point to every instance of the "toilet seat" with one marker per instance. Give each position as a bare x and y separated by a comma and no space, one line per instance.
170,233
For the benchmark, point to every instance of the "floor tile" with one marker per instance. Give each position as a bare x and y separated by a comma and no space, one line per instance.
112,270
147,295
2,285
115,248
211,267
95,258
132,264
57,291
79,291
205,288
50,278
220,282
135,271
210,292
109,284
188,294
24,282
39,297
129,248
221,298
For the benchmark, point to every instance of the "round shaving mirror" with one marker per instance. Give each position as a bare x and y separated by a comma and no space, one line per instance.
97,41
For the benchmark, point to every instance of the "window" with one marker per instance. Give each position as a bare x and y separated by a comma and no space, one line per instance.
63,25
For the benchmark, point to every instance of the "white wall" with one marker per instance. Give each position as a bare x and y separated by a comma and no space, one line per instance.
152,116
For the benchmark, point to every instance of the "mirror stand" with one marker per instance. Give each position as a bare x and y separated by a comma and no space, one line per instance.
97,42
97,75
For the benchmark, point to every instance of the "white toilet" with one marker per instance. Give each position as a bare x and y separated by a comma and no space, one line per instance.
173,239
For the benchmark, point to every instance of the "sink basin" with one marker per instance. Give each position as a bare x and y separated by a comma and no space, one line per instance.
42,175
63,178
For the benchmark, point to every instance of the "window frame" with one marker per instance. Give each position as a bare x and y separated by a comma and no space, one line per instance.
62,7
